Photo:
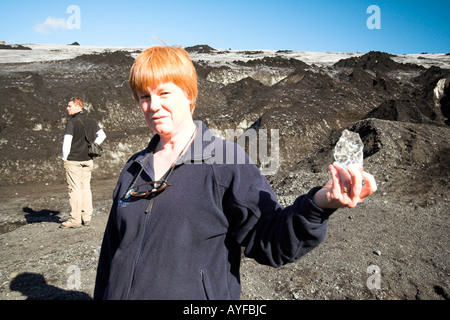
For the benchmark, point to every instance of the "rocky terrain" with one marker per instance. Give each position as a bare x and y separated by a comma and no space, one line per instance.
399,104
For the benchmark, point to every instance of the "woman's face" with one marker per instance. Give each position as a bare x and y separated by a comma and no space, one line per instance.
166,109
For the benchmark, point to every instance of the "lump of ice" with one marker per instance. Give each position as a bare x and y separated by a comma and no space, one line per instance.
349,149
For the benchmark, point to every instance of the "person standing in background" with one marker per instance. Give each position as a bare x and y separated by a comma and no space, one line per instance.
78,164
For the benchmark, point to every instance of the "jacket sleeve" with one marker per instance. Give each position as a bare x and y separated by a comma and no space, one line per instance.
272,234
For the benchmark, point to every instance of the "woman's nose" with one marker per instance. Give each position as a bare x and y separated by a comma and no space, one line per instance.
155,103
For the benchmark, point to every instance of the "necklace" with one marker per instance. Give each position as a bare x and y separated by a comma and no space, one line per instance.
191,139
161,184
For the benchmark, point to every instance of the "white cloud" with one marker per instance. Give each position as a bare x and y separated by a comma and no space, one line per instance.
50,24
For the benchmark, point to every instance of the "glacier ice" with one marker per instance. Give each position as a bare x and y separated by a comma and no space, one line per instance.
349,149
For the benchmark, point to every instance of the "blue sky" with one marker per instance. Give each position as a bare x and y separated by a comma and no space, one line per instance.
407,26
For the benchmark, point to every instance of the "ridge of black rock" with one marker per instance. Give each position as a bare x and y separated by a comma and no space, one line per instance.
203,48
375,61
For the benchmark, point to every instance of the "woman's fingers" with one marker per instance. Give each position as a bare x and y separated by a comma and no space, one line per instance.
356,178
335,184
369,187
345,188
344,178
342,186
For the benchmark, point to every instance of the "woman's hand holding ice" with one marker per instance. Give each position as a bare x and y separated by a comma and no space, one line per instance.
346,187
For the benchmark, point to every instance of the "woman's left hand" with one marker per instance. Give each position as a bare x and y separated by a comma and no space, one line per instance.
345,188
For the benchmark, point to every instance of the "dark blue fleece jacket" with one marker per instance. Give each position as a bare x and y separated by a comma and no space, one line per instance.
188,246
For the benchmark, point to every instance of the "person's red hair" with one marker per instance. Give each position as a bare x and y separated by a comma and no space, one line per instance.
163,64
78,101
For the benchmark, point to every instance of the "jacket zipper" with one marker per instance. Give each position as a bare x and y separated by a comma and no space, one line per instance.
138,254
202,275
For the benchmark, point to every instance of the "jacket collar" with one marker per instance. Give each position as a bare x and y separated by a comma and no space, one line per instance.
200,149
77,114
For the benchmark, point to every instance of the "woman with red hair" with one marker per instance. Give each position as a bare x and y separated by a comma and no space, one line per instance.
185,205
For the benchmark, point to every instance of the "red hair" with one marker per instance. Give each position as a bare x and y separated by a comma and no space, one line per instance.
78,101
158,65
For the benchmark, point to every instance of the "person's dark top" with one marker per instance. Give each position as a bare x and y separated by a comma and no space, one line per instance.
79,147
188,246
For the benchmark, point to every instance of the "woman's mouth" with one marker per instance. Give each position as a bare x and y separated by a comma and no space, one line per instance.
157,118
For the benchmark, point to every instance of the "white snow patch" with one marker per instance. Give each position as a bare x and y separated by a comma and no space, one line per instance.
48,52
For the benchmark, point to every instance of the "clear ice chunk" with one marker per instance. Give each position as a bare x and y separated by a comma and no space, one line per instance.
349,149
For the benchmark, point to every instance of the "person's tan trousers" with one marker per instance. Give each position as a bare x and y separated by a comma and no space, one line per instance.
78,174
